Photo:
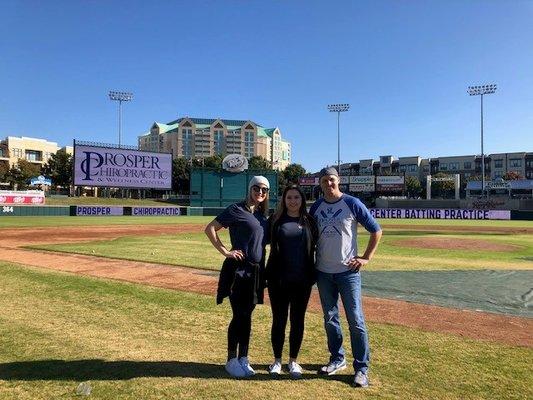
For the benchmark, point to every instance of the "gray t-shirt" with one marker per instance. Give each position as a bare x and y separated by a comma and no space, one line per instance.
337,231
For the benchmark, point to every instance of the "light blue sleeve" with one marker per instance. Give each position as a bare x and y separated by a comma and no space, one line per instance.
362,215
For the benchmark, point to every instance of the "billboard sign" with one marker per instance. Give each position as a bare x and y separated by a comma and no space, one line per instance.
41,180
362,179
390,183
112,167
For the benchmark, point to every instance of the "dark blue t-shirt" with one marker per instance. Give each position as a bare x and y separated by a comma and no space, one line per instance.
292,248
246,230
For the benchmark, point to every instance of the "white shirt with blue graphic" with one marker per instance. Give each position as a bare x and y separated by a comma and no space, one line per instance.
337,227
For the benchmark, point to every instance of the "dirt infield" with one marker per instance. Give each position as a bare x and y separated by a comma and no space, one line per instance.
455,244
471,324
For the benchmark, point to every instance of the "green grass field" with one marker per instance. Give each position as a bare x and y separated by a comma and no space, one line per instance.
135,342
194,250
25,222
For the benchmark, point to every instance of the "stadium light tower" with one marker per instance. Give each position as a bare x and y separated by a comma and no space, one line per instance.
120,97
338,108
481,91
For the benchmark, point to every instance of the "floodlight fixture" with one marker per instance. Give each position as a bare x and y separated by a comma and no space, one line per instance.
338,108
481,90
115,95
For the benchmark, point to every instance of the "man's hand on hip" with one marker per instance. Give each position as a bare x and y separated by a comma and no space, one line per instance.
357,262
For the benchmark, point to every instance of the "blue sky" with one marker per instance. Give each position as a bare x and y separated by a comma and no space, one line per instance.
404,66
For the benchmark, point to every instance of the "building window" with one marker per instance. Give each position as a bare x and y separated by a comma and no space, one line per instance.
453,166
515,163
186,136
17,153
218,137
468,165
498,163
33,155
443,167
529,163
248,144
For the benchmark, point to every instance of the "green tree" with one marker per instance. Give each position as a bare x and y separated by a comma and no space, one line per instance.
4,171
213,161
59,169
21,173
181,175
259,162
293,173
413,186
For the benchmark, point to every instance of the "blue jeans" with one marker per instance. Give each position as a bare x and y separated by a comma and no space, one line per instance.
348,285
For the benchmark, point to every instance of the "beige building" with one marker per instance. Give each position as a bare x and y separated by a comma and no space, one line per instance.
36,151
198,138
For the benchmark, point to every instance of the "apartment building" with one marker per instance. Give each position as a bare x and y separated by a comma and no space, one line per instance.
202,137
36,151
496,165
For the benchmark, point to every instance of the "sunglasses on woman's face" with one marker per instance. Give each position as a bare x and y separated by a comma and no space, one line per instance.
258,189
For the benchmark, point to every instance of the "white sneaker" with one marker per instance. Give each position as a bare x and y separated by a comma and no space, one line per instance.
245,365
295,370
234,368
275,368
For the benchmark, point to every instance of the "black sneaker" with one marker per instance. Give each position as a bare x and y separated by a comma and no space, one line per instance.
333,367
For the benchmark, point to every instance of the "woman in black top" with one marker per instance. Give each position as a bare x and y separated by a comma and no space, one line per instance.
290,273
242,276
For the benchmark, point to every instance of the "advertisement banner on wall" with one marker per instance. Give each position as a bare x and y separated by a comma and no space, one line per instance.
389,183
362,179
155,211
121,168
29,197
97,211
434,213
362,187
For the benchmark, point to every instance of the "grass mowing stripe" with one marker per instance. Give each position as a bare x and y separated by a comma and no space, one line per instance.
194,250
135,342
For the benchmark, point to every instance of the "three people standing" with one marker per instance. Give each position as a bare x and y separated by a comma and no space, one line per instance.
331,225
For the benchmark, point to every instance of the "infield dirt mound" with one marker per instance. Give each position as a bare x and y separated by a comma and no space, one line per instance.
471,324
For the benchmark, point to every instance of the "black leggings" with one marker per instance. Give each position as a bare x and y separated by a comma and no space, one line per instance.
282,297
240,327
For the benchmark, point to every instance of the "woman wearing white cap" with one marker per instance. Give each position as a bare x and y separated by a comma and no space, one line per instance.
241,277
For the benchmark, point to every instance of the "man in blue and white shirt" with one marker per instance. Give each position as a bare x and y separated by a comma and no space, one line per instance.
338,271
